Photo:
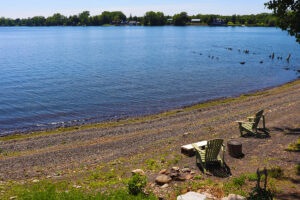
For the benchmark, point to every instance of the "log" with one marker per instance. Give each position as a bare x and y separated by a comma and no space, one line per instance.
235,148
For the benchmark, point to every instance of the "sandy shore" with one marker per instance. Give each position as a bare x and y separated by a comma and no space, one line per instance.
43,154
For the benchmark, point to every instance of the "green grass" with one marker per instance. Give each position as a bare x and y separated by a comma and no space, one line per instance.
294,147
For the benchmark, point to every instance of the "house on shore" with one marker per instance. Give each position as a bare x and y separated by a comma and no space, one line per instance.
132,23
219,22
196,21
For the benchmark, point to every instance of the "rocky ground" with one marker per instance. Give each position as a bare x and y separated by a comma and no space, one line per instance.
154,143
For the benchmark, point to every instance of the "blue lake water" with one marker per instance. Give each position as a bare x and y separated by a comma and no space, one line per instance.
54,76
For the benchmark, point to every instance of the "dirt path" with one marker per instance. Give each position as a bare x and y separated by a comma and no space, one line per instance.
42,155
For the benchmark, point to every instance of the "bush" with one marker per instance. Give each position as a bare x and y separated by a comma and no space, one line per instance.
136,184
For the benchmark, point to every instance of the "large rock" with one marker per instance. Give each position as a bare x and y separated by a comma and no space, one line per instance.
138,171
192,196
163,179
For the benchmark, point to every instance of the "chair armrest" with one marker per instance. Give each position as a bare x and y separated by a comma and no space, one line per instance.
239,121
196,147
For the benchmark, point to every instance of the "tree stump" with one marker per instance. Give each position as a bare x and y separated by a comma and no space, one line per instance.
235,148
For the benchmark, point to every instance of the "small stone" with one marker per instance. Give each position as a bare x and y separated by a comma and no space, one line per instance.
186,170
13,197
77,186
186,134
193,172
49,176
165,186
191,196
175,168
188,177
179,178
138,171
236,197
163,179
35,181
163,171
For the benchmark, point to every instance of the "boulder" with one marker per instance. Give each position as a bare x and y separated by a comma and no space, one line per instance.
138,171
163,179
192,196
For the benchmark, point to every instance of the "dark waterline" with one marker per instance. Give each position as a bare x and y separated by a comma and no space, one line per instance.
59,76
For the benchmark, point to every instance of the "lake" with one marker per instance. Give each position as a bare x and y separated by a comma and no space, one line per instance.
58,76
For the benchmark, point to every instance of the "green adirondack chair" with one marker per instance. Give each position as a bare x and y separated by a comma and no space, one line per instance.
210,153
251,126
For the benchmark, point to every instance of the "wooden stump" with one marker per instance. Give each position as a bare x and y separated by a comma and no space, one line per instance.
235,148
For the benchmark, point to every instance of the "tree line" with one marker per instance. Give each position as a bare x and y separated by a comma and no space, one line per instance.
150,18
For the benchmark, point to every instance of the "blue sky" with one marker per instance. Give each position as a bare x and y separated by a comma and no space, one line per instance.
29,8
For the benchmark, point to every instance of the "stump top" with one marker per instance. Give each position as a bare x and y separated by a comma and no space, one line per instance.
234,142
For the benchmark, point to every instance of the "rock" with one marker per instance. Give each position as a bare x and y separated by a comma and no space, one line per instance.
138,171
261,61
174,174
179,178
192,196
186,134
242,63
224,198
165,186
193,172
186,170
236,197
163,171
175,168
77,186
188,177
35,181
163,179
13,197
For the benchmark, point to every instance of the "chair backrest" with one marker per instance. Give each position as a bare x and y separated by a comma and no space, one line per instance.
212,149
257,118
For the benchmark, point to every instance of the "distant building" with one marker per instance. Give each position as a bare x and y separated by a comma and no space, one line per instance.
170,20
196,21
218,22
132,23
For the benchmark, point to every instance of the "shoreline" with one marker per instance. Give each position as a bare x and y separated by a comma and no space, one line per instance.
143,117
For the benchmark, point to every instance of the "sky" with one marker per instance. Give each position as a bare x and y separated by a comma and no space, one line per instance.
30,8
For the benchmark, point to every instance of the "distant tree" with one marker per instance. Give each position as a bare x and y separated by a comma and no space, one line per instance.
154,18
84,18
288,13
233,19
180,19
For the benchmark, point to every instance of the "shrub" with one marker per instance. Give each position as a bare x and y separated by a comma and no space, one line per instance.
136,184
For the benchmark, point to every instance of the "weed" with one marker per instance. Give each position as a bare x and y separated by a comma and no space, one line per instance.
294,147
276,172
136,184
239,181
198,177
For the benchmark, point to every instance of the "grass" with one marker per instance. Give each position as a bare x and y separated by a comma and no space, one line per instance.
50,193
298,169
295,146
